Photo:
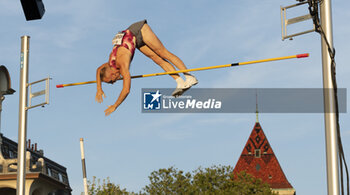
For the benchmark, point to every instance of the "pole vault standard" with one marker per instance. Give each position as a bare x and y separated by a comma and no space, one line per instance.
198,69
330,109
22,126
23,108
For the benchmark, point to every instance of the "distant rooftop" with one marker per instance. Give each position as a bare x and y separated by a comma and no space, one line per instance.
259,160
38,167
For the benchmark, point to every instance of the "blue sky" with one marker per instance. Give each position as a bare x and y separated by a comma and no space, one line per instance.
74,37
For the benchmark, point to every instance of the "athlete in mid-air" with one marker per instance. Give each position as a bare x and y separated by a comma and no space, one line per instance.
138,35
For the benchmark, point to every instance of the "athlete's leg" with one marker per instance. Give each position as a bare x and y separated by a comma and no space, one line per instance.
152,41
165,65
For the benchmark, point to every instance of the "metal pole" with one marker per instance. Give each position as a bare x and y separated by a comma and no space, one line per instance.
329,101
22,126
83,165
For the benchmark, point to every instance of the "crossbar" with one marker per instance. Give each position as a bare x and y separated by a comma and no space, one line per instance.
197,69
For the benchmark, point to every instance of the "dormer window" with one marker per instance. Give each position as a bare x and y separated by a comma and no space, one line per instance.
257,153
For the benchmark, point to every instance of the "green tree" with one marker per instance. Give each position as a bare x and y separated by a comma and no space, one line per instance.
213,180
105,188
169,181
202,181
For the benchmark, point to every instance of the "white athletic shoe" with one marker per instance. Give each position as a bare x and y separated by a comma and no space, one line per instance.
180,89
190,80
183,87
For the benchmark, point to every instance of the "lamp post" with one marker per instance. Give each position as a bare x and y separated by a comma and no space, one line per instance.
22,119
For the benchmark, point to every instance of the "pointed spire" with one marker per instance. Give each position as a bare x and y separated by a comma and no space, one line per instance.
259,160
256,111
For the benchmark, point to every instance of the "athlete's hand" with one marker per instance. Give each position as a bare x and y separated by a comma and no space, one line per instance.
99,96
110,109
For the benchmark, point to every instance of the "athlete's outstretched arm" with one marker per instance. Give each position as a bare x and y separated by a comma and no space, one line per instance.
124,71
99,92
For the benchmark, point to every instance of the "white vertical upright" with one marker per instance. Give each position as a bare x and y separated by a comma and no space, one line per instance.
83,165
331,134
22,121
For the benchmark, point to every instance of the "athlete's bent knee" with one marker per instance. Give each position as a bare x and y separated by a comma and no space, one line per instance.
164,53
158,60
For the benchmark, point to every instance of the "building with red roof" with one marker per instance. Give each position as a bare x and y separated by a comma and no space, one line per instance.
259,160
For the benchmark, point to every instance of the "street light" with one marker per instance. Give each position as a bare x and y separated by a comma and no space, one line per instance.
5,86
33,9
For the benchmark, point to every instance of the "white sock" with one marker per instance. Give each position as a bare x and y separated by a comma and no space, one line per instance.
180,81
188,76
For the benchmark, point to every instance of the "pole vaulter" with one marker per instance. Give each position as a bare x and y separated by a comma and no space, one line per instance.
197,69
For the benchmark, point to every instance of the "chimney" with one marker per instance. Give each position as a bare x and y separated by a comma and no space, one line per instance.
28,147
